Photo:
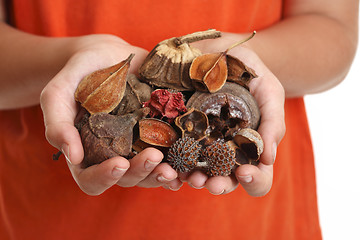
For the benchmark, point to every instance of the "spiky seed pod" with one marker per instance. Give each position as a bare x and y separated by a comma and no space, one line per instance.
183,154
220,158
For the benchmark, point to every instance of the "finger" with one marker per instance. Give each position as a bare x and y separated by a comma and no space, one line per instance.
221,185
256,180
271,99
162,175
95,179
59,114
141,166
197,179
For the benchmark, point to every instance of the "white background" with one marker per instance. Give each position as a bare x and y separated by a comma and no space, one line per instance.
334,118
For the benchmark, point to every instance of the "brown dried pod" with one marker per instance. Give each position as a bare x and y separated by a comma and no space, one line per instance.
106,136
136,94
209,72
194,123
229,109
156,133
218,159
183,154
102,90
250,145
238,72
167,65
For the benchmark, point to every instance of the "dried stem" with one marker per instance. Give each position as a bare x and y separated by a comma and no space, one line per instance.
197,36
241,42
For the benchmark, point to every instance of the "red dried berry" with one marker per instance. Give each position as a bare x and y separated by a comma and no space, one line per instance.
183,154
220,158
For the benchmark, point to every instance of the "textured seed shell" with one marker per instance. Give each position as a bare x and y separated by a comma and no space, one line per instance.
157,132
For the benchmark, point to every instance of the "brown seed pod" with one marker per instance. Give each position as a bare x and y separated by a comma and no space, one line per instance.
183,154
154,133
135,95
219,159
102,90
238,72
194,123
209,72
105,136
250,145
167,65
229,109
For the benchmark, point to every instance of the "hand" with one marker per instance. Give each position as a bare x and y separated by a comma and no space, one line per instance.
269,93
91,53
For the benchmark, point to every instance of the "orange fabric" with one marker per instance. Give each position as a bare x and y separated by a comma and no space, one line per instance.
39,198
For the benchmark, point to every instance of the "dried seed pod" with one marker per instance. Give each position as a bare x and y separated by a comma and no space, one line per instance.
231,108
194,123
102,90
167,65
183,154
209,72
156,133
238,72
219,159
250,144
135,95
106,136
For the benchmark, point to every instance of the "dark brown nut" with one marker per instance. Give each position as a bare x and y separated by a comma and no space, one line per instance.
194,123
167,65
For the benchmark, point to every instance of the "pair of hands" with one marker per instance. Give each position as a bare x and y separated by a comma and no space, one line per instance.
145,169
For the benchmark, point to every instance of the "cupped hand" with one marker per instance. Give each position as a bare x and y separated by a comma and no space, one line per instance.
270,95
91,53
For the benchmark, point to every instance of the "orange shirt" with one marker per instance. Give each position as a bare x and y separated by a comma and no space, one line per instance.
39,198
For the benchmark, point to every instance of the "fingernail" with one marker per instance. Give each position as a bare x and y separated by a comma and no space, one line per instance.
65,149
175,189
218,193
190,184
161,178
274,148
245,179
149,165
118,172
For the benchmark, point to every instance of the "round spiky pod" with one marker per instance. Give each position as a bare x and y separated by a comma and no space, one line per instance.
220,158
183,154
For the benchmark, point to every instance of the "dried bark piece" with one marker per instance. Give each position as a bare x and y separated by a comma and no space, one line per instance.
238,72
209,72
250,145
102,90
106,136
194,124
155,132
167,65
